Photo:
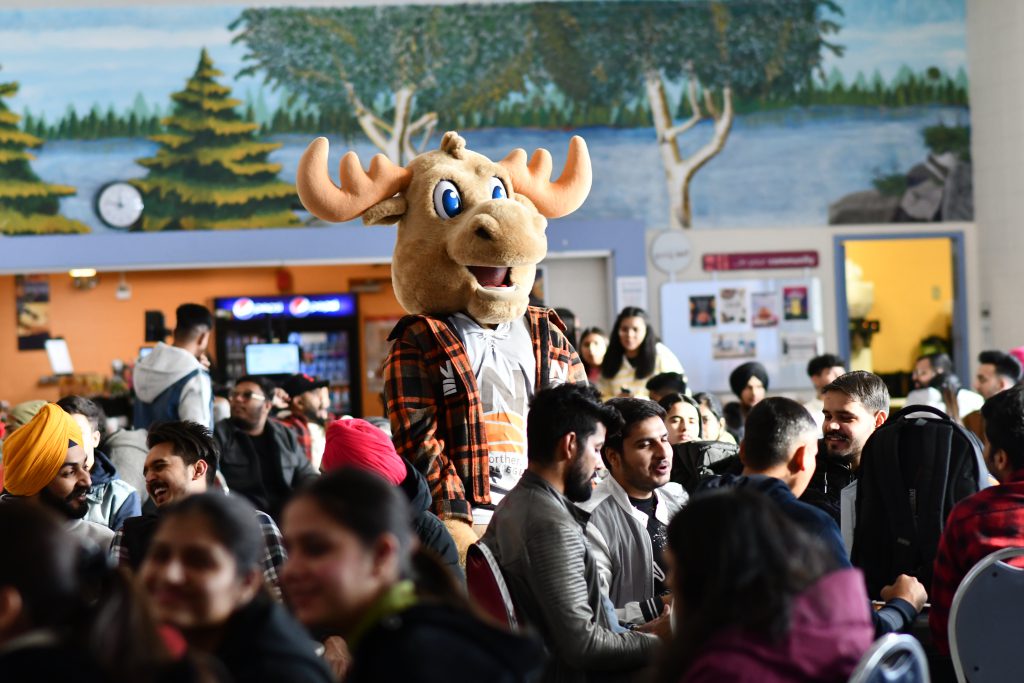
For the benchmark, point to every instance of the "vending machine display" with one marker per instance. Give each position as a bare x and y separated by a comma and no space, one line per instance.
324,328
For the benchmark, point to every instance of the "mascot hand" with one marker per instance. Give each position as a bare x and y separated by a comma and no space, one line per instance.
463,535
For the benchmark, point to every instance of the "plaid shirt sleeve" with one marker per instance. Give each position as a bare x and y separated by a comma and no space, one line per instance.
118,551
275,555
413,410
301,431
946,579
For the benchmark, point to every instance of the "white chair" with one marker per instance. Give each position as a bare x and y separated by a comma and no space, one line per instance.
894,658
986,620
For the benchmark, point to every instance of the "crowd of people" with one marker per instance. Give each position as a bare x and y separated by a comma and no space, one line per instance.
654,534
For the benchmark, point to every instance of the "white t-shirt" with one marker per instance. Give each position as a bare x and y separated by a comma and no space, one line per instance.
505,368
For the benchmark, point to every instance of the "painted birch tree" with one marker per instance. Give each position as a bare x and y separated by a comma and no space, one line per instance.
399,68
712,51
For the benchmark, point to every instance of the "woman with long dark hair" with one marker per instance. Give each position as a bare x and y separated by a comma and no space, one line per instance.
758,598
634,356
203,577
352,571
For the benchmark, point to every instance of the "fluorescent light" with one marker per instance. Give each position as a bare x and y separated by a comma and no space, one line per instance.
82,272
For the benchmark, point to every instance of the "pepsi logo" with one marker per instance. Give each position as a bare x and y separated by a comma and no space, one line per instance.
299,307
243,308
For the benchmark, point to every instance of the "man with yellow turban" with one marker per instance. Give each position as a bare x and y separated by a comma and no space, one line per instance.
44,460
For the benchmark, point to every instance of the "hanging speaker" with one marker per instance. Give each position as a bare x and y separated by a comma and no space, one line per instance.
155,330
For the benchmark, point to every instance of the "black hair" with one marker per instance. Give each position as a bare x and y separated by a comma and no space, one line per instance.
1004,424
647,356
866,387
941,363
365,504
738,563
632,410
667,382
561,410
773,427
1006,365
190,441
368,506
231,520
669,400
711,402
191,320
265,385
72,592
818,364
79,405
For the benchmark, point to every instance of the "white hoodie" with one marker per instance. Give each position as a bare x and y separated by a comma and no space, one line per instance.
165,366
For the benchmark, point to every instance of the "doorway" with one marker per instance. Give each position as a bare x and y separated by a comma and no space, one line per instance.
899,297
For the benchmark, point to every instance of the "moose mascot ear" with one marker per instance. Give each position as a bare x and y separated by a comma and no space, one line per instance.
387,212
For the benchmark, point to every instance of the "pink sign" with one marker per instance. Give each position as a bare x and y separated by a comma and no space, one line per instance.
761,260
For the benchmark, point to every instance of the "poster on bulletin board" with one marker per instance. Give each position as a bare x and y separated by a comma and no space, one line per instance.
715,325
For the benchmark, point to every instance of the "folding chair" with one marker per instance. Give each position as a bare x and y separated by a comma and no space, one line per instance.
894,658
487,586
986,620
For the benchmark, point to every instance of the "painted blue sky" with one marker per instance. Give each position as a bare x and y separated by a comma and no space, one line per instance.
82,57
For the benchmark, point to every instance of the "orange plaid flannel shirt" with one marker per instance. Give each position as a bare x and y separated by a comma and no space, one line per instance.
435,408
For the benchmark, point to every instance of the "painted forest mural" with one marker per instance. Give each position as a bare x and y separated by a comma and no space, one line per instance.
699,114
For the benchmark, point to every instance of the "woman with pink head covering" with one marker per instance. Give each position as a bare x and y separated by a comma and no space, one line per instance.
357,443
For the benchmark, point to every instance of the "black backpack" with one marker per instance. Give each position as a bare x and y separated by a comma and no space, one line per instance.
694,461
913,470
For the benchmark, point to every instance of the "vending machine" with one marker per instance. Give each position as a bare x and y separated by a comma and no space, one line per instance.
317,334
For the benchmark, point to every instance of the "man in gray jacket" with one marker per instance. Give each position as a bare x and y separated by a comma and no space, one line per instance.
630,511
537,538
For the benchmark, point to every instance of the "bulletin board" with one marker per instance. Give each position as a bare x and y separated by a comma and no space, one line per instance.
713,326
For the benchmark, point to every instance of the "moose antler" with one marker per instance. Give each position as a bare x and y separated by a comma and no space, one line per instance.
359,190
558,198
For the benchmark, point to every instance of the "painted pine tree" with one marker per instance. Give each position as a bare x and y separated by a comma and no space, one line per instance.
211,172
27,204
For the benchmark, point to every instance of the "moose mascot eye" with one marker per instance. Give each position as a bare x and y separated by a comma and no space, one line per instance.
498,189
447,201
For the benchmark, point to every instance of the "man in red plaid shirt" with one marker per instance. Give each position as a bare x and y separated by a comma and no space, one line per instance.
989,520
307,414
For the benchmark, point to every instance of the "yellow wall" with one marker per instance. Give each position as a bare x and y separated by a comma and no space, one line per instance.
99,328
907,274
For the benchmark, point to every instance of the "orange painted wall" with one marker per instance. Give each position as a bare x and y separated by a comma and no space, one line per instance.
99,328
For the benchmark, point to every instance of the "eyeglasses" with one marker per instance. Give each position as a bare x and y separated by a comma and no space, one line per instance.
246,396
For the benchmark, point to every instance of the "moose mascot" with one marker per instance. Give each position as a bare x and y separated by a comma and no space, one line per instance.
464,363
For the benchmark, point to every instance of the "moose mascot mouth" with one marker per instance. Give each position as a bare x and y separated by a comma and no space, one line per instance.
492,276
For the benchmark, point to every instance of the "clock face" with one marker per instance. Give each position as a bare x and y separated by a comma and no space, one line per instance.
119,205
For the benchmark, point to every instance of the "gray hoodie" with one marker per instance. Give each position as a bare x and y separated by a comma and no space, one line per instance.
165,366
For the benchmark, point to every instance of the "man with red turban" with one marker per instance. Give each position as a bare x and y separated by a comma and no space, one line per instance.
357,443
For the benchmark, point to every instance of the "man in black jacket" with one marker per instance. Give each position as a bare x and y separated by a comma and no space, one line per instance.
259,458
778,457
855,405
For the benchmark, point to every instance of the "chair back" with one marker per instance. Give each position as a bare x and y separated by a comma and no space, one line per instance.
487,586
894,658
986,620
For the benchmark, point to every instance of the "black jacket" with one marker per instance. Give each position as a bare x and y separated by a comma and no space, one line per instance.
435,643
429,529
808,517
831,476
240,465
264,644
